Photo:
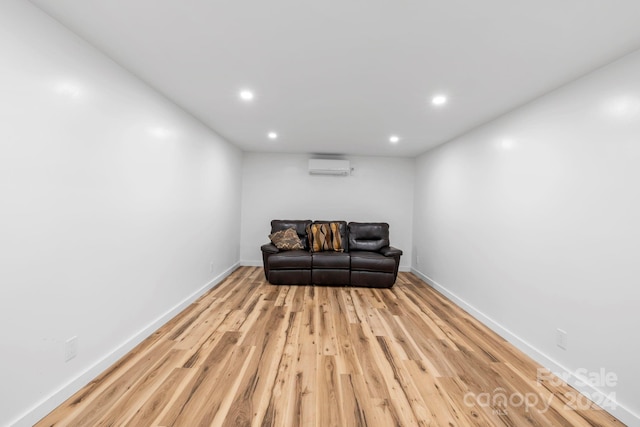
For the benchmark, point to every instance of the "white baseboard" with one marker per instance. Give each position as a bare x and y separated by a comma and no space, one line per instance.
56,398
580,384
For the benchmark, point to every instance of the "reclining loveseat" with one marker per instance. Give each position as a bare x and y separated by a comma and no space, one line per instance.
353,254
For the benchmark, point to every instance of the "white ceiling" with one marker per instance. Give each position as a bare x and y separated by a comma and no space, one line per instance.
341,76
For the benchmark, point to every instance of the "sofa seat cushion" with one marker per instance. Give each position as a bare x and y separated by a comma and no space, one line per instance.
371,261
331,260
290,260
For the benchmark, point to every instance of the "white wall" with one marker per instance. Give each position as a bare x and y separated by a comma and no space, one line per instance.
113,206
278,186
532,223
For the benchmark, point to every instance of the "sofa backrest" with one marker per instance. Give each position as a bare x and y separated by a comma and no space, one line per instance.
368,236
299,225
344,232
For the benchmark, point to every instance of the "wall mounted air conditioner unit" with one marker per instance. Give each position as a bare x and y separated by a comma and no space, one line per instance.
329,167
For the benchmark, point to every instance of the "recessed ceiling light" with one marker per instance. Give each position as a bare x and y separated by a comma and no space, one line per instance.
272,135
246,95
394,139
439,100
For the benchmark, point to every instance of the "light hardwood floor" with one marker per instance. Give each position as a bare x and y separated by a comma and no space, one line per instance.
250,353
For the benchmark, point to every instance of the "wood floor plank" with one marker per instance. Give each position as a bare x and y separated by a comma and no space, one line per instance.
361,339
280,409
124,409
329,393
353,414
444,414
268,337
306,379
204,380
404,395
396,333
248,353
328,340
152,408
219,404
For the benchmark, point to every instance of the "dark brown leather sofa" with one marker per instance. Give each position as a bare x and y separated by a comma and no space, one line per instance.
367,260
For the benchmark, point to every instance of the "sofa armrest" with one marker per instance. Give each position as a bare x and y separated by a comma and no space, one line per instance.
269,248
390,251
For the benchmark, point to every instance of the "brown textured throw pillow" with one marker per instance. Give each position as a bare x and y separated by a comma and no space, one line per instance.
286,240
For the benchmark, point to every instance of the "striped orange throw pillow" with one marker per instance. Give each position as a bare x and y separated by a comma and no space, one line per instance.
336,239
324,237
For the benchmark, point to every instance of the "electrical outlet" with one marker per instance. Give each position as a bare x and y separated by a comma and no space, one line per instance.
70,348
417,260
561,339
